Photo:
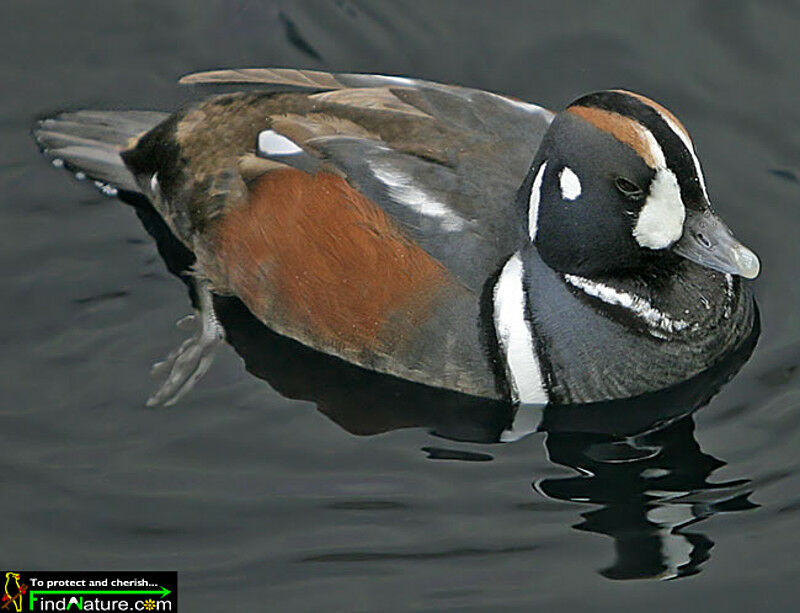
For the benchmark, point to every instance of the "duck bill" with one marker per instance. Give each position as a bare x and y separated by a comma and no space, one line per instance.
709,242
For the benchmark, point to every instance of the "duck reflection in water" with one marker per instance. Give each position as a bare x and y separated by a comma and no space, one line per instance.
638,459
652,488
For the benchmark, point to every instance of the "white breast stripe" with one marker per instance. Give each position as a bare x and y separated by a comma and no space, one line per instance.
657,321
533,203
403,189
514,335
272,143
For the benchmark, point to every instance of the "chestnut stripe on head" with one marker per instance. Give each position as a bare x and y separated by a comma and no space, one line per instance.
677,127
624,129
670,135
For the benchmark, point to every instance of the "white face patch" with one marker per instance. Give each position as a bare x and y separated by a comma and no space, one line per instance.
570,184
514,335
533,203
660,221
272,143
405,190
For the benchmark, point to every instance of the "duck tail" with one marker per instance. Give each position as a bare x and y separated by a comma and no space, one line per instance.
89,143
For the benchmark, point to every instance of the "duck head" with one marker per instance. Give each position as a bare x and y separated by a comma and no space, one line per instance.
616,186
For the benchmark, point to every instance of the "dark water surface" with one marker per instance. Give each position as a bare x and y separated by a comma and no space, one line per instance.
264,503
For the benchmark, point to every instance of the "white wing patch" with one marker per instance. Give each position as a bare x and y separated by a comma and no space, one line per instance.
272,143
514,335
533,203
403,189
570,184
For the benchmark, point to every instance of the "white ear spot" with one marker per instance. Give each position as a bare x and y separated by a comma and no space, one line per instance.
533,203
660,221
272,143
570,184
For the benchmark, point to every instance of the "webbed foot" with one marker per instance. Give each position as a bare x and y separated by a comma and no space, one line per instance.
185,366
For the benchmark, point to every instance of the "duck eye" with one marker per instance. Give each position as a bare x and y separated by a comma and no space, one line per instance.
628,188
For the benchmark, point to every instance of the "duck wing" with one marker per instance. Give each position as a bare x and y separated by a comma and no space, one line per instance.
445,162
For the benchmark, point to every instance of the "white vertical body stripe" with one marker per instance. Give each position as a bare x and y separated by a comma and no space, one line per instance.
514,335
533,203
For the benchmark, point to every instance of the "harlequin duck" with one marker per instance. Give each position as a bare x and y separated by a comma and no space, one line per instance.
448,236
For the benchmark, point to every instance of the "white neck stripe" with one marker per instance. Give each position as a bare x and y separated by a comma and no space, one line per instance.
533,203
515,337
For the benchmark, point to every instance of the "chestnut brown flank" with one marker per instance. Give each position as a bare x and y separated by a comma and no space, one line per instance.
313,255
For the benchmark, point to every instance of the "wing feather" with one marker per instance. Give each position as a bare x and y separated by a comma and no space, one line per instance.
444,161
302,79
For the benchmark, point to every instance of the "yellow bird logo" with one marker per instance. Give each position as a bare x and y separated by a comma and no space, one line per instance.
13,592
